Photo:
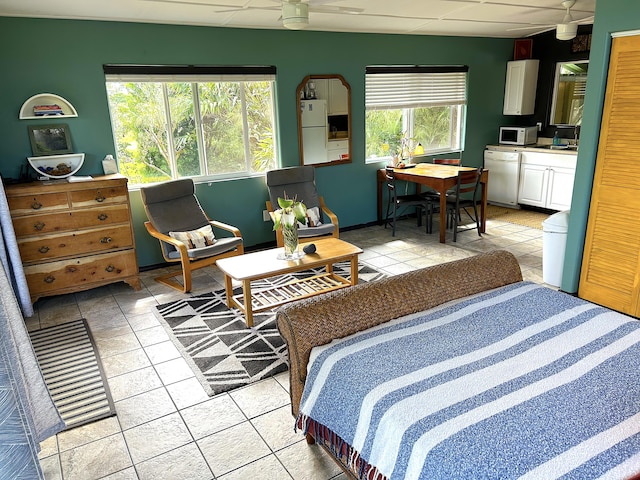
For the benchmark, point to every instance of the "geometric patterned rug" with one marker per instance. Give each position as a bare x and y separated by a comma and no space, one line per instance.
215,341
73,372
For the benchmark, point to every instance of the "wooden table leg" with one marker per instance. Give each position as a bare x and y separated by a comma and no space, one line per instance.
443,216
354,270
248,310
228,288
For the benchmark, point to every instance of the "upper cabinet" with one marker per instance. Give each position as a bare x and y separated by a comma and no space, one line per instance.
569,88
324,120
44,105
520,87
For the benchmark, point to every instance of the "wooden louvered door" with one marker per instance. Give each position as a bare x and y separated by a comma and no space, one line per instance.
610,274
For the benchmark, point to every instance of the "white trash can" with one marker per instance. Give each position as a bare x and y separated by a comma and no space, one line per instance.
554,242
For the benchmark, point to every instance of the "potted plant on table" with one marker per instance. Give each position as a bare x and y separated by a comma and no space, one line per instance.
287,217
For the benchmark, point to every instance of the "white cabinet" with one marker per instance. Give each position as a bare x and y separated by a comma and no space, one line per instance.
338,103
338,150
546,180
335,93
520,87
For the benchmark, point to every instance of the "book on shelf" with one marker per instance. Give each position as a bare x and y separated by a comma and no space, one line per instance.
45,110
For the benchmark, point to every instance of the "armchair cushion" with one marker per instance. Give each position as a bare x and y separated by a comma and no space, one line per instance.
202,237
324,229
221,245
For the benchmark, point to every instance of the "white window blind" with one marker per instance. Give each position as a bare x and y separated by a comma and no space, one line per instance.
189,74
415,87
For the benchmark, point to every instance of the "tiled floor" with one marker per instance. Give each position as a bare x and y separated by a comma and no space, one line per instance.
167,427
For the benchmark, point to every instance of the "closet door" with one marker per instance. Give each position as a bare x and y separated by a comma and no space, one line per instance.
610,272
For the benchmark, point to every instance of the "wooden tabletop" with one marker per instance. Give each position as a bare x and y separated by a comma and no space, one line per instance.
264,264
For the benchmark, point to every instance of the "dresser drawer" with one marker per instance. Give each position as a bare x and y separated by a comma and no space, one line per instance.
38,203
31,225
36,249
92,197
80,273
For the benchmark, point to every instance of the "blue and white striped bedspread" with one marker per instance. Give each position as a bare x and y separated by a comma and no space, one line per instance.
520,382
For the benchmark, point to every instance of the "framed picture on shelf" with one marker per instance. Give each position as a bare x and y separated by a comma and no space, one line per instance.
50,139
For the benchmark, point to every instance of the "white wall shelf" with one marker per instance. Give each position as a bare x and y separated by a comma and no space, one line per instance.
26,111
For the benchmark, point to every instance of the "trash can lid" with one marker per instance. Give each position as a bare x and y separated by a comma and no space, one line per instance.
558,222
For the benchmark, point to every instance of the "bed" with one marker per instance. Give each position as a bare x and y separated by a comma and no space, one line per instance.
463,370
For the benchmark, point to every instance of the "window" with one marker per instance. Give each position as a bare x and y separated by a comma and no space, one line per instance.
408,107
209,122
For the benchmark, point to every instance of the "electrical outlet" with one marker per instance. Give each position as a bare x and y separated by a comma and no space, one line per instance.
265,216
539,125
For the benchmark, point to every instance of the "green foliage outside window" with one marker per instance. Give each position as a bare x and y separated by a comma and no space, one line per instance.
171,130
437,129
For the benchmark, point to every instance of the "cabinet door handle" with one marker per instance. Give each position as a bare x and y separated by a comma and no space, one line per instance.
43,249
49,279
36,205
39,226
102,217
100,198
110,268
106,240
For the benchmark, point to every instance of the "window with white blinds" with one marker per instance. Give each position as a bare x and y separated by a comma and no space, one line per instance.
414,110
413,87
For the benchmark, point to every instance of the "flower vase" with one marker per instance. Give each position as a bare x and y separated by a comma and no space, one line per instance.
290,235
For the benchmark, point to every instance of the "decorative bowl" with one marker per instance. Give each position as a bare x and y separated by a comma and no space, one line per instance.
57,166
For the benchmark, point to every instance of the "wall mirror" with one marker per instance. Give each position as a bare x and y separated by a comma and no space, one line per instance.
324,120
568,93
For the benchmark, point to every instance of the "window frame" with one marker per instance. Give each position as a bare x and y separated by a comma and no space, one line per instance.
197,75
407,88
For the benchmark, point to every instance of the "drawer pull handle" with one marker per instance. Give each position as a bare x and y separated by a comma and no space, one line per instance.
100,198
39,226
72,269
43,249
36,205
102,217
106,240
49,279
110,268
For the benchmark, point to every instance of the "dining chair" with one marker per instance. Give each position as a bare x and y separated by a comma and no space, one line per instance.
447,161
464,199
185,231
397,204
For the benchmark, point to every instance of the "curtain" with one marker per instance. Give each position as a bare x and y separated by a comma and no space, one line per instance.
10,257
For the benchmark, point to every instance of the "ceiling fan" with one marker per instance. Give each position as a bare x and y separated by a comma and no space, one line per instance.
295,13
565,30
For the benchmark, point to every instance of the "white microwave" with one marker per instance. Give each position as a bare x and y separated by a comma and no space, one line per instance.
518,135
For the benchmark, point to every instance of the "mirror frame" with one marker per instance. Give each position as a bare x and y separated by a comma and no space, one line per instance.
299,90
554,92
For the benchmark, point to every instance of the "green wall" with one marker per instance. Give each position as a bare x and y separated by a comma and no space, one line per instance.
611,16
65,57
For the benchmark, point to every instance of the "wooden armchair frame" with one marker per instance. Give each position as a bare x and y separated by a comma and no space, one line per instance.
189,264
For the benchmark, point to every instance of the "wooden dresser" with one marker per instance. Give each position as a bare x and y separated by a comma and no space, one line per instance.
74,236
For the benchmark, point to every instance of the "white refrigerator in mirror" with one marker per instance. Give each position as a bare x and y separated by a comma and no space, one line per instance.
315,131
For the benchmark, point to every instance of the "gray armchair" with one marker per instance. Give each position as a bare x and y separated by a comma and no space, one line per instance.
299,183
177,220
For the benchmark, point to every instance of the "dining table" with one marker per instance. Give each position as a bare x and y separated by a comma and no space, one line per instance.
440,178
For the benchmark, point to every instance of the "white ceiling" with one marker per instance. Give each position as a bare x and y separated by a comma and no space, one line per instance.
489,18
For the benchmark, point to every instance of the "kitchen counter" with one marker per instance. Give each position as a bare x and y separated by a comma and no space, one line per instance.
546,148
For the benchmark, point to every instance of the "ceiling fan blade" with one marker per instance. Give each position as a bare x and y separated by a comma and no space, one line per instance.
336,9
532,27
